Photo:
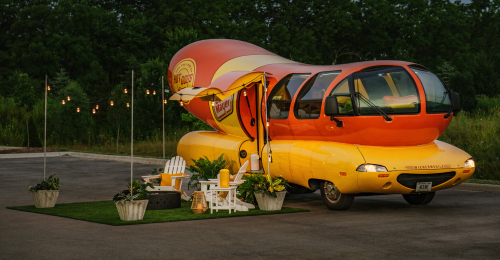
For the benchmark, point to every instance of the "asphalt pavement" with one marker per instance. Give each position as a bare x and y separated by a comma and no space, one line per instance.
457,224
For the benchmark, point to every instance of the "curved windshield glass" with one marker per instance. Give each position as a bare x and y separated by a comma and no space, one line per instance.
436,94
391,90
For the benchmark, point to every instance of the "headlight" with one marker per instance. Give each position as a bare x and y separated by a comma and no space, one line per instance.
470,163
371,168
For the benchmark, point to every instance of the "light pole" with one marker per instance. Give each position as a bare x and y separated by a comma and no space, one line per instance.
45,133
132,141
163,115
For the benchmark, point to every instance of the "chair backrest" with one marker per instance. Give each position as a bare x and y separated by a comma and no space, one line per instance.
175,165
242,171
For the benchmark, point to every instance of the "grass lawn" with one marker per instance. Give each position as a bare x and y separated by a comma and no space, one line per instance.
105,212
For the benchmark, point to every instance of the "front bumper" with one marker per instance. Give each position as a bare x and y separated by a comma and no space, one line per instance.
403,182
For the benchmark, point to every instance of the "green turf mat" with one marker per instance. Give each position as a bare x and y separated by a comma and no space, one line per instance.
105,212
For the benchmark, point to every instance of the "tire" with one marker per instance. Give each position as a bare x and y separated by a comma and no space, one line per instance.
333,198
419,198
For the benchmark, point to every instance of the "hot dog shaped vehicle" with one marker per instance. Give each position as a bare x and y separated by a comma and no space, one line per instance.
360,128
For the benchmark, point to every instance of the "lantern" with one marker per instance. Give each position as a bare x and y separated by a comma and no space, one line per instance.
128,105
147,92
63,102
78,109
125,91
69,98
112,103
154,92
96,106
199,205
93,111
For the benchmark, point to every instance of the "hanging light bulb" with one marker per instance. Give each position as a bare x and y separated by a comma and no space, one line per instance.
128,105
63,102
48,88
164,101
213,101
147,91
96,106
112,103
93,111
245,92
78,109
125,91
69,98
267,124
182,103
154,92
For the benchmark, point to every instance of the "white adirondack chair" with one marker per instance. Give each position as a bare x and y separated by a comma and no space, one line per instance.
173,166
240,205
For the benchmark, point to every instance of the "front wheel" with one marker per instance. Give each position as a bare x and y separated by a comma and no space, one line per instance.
419,198
333,198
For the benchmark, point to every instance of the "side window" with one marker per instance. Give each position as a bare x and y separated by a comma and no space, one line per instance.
391,90
311,95
343,97
281,96
436,94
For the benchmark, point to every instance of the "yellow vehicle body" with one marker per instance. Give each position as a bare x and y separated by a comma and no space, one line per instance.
305,162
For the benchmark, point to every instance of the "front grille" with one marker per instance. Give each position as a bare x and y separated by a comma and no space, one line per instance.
410,180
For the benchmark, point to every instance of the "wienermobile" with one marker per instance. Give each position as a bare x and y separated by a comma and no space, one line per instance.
349,129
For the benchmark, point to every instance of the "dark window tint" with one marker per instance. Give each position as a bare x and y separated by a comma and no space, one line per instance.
282,95
436,94
311,96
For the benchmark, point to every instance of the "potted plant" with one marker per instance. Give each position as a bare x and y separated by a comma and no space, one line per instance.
270,193
204,169
46,192
132,205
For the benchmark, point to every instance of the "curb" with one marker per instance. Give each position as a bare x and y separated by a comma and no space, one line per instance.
478,187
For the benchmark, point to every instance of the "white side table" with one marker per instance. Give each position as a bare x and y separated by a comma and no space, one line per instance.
227,204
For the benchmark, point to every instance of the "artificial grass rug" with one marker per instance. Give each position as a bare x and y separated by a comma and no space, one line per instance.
105,212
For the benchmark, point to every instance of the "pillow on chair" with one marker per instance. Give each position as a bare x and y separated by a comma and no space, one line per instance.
166,180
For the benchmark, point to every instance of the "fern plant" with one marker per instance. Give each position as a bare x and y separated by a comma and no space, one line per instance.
204,169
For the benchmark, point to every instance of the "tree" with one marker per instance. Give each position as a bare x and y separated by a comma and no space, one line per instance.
24,96
463,83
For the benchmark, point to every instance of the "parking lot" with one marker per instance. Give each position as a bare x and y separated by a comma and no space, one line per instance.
457,224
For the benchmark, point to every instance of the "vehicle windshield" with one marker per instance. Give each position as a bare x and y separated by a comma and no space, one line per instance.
391,90
436,94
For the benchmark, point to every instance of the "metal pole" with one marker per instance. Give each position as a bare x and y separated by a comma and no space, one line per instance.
267,126
45,133
163,112
132,141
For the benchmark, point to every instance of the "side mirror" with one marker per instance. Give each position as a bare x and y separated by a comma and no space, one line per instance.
332,109
331,106
455,103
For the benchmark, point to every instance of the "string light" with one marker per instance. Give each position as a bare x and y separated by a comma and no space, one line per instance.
125,91
96,106
48,88
69,98
245,92
182,103
267,124
112,103
128,105
93,111
63,102
78,109
147,91
154,92
164,101
213,101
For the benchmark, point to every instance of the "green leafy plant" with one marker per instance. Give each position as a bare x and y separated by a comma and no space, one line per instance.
139,192
204,169
50,183
270,186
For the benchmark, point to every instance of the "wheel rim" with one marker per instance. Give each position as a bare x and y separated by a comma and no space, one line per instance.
331,192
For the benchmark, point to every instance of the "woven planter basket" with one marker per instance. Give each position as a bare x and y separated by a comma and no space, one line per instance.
268,202
131,210
45,198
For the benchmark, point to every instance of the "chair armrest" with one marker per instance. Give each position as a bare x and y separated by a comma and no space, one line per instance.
208,182
180,177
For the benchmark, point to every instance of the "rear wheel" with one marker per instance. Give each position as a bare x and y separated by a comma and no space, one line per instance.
333,198
419,198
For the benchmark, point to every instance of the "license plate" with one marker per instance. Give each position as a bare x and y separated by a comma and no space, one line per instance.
423,186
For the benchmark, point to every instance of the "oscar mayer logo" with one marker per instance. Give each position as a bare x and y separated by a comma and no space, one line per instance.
223,108
425,167
184,74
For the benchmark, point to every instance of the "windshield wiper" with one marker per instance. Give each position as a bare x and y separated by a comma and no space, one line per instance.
368,102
